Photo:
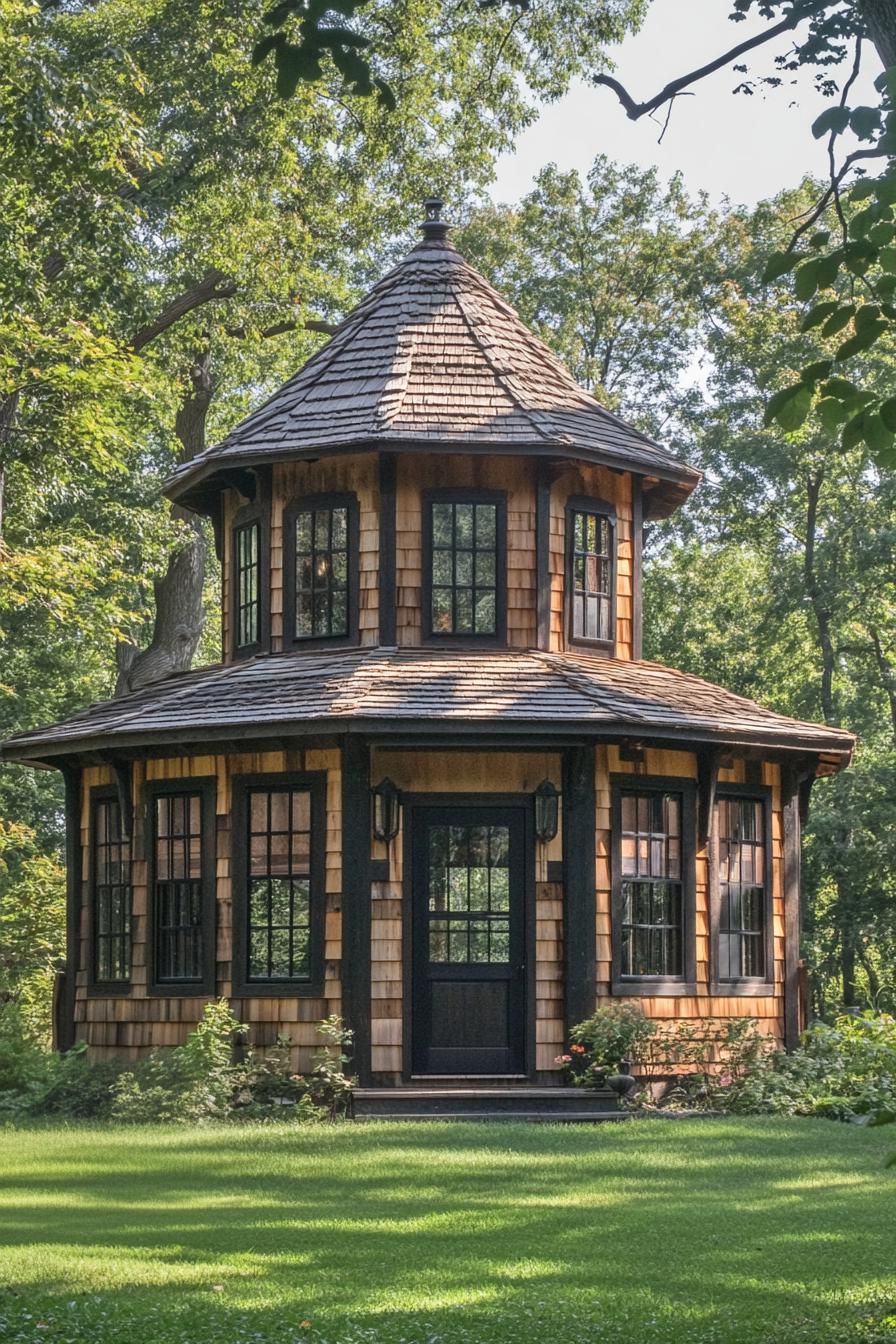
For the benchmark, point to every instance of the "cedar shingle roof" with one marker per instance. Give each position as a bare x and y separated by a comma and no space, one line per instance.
433,355
440,690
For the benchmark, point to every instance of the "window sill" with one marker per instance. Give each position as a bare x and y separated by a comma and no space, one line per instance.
322,642
107,989
647,988
604,647
186,989
747,989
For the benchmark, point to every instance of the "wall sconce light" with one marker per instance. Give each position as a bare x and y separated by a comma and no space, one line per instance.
386,810
547,809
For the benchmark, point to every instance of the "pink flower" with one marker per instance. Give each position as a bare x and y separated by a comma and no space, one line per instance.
563,1059
577,1049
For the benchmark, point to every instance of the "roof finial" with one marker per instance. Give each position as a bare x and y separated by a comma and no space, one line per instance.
434,228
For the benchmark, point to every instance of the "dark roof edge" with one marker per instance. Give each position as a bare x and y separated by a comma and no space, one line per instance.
839,744
181,486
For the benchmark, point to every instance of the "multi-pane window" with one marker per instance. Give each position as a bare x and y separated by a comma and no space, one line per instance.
279,876
321,574
178,886
247,578
469,894
111,895
464,568
741,841
651,933
591,590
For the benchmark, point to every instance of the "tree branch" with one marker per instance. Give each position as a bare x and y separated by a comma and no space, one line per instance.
278,328
213,285
635,110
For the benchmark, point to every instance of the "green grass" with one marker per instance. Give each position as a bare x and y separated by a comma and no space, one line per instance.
701,1232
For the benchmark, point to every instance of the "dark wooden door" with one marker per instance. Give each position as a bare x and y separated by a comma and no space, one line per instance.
469,940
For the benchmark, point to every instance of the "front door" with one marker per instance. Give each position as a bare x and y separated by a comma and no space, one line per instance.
468,867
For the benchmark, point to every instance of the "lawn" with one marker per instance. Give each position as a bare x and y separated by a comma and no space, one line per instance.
699,1232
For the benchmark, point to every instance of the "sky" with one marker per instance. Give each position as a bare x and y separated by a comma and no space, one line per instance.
743,148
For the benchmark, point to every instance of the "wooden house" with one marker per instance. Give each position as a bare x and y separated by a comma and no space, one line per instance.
432,786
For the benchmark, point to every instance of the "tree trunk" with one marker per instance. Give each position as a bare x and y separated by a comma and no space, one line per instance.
880,18
8,408
180,615
887,675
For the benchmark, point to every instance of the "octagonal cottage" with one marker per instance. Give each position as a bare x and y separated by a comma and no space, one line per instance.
432,786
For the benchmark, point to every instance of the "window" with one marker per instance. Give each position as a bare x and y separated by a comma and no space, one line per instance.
181,877
742,865
111,868
247,582
281,837
465,564
469,894
321,569
590,577
653,862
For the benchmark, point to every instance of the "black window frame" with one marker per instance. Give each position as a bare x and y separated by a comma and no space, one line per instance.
315,782
308,504
498,498
206,787
251,515
602,509
757,986
95,985
656,985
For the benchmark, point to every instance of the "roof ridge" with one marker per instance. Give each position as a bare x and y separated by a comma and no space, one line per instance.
499,376
579,681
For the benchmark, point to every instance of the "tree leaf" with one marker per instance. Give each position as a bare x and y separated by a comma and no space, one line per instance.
888,413
854,431
877,436
266,44
832,413
841,388
779,263
838,319
832,119
820,313
814,373
789,407
865,122
863,340
828,268
806,279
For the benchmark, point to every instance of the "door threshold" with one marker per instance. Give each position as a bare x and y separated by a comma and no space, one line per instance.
469,1077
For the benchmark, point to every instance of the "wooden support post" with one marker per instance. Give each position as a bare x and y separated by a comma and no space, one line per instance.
707,781
543,557
356,900
790,802
579,863
64,992
637,553
386,582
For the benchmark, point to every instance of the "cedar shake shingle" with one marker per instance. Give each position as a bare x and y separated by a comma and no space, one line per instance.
434,356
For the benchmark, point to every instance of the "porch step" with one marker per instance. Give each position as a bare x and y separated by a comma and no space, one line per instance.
542,1103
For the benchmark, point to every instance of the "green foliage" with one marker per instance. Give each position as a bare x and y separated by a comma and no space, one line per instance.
32,929
861,262
613,1033
842,1071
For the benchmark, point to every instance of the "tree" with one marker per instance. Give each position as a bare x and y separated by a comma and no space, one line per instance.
617,273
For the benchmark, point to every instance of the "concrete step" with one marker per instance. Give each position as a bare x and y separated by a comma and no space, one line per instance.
503,1117
549,1102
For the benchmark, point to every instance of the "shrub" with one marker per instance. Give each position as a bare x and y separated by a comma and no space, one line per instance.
615,1032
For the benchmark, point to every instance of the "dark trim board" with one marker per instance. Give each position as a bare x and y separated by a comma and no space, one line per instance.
543,555
656,986
308,503
580,872
637,566
315,781
206,787
356,901
256,514
415,801
386,589
64,1021
792,838
759,986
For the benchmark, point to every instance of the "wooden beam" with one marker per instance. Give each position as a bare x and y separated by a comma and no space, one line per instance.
579,862
64,999
637,566
543,556
386,582
356,950
790,802
125,797
707,781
